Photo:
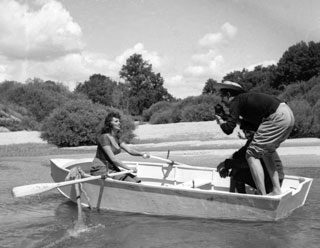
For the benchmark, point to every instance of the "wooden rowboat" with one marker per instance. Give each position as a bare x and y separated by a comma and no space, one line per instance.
182,190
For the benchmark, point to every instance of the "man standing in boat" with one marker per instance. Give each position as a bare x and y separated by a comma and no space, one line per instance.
274,120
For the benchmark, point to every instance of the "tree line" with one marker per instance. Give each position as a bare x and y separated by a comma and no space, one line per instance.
71,118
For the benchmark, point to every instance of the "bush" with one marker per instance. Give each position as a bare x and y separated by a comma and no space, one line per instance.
313,95
199,108
77,122
29,123
38,97
309,91
303,118
10,124
199,112
156,109
163,117
315,129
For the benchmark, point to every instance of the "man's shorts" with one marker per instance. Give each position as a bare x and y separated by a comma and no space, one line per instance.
273,130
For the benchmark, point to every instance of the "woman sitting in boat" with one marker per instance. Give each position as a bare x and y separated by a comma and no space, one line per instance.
238,169
109,145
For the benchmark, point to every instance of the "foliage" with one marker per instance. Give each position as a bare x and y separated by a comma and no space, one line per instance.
315,129
11,124
308,91
200,112
303,118
144,86
38,97
163,117
120,97
258,79
16,118
300,62
303,98
6,86
209,87
77,122
156,109
99,89
200,108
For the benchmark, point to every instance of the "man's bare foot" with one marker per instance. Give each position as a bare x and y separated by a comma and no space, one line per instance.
275,192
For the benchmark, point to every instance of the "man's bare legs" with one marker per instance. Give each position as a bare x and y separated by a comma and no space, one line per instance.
269,161
257,173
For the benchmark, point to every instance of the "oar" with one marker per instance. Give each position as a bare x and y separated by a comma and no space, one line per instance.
168,161
38,188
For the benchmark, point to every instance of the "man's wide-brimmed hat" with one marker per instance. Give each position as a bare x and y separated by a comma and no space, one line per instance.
228,85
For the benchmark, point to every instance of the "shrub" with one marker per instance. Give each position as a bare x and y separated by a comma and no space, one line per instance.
155,109
29,123
315,129
199,108
313,95
303,118
199,112
309,91
10,124
39,98
163,117
77,122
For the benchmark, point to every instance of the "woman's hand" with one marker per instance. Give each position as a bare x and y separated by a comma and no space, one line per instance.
134,169
146,155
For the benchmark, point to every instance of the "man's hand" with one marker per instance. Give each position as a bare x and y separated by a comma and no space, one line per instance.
218,109
219,119
220,115
223,171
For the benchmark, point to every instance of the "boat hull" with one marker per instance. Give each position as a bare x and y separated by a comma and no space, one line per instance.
168,199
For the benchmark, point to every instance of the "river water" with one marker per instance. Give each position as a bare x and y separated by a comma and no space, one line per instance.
49,220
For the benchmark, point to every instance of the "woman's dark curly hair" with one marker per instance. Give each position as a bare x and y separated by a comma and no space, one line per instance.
107,122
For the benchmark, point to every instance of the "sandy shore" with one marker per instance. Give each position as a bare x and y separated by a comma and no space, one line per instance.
20,137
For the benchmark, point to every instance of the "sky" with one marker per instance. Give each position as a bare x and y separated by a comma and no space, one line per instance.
186,41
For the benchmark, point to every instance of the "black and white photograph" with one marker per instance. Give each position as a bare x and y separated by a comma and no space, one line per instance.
159,123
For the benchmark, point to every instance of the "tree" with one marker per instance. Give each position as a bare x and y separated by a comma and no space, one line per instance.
144,86
120,97
99,89
236,76
300,62
259,79
209,87
5,87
